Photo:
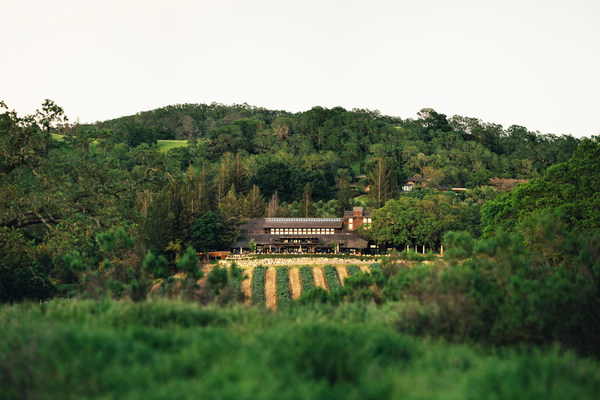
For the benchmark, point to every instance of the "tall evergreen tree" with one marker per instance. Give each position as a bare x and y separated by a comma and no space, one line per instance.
273,206
306,208
345,193
254,204
382,182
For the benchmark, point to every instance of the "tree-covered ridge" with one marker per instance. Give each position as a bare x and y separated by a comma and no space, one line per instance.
458,151
58,197
569,190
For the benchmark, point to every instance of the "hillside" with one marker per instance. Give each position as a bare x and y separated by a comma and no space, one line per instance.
449,147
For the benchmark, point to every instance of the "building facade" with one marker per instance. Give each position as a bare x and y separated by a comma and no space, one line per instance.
306,235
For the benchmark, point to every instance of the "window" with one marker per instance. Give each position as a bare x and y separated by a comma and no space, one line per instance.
295,231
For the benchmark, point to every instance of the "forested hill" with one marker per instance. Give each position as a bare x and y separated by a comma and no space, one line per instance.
104,194
457,151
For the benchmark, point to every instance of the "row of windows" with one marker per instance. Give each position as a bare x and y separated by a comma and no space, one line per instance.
351,224
303,231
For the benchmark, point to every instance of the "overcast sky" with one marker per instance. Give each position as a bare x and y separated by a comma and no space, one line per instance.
526,62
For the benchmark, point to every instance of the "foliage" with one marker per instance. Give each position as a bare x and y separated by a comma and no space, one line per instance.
155,266
409,221
569,189
353,269
258,285
333,281
207,232
307,278
167,348
283,288
188,263
459,245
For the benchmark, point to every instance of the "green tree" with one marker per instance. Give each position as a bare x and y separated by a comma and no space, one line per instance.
345,193
306,207
188,262
207,232
162,223
382,181
155,265
569,189
254,204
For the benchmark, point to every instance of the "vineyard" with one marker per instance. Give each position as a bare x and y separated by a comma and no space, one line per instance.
274,287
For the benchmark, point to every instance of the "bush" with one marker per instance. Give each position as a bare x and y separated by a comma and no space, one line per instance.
258,285
308,281
333,281
353,269
283,289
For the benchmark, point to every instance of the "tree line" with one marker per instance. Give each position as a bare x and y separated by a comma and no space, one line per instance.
60,195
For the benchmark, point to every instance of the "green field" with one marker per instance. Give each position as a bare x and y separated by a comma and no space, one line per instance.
166,145
68,349
163,145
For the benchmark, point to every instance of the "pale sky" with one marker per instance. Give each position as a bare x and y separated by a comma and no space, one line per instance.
526,62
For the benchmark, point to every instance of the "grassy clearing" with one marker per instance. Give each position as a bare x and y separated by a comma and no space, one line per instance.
166,145
69,349
163,145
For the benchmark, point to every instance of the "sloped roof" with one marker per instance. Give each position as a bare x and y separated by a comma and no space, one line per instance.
416,178
303,223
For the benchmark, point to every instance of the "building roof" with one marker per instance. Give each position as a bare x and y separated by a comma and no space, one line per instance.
302,223
416,178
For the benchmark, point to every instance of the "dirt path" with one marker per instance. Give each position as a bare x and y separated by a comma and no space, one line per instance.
271,289
342,273
295,283
319,277
364,269
247,286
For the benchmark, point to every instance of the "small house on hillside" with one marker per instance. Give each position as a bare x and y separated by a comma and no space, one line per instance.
415,180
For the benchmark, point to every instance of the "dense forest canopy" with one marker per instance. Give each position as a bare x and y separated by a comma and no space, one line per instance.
59,193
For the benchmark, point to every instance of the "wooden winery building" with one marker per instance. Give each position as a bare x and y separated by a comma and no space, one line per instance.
306,235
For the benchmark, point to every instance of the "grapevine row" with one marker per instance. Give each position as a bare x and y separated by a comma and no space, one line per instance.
353,269
258,285
333,281
307,278
283,288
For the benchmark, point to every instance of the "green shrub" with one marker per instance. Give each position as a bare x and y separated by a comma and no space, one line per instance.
308,281
333,281
258,285
283,288
353,269
169,349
